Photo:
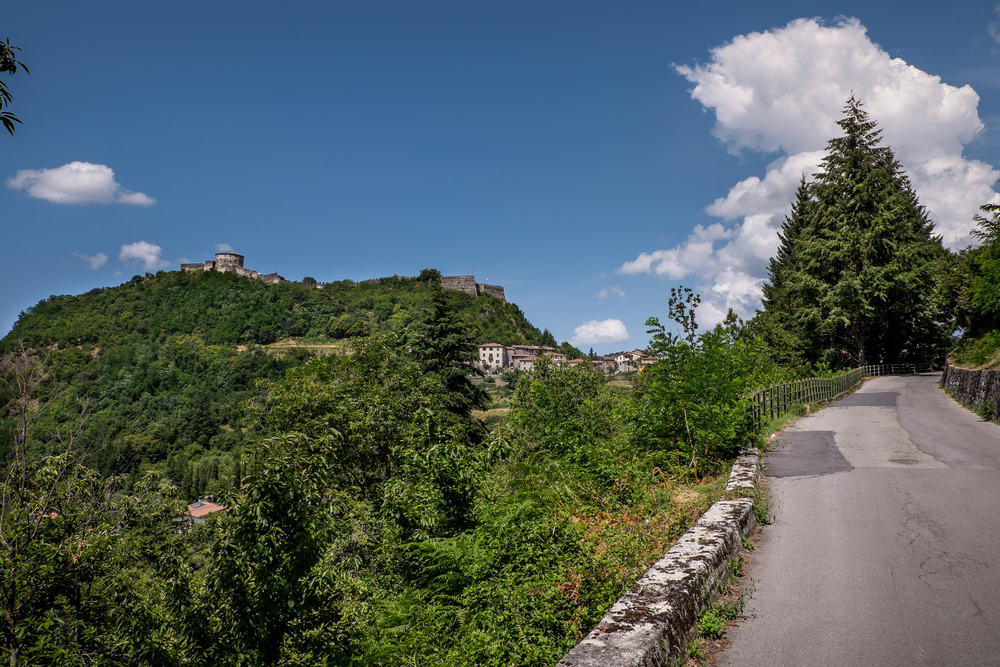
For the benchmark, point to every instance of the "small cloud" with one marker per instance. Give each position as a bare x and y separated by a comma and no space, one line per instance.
76,183
137,198
994,26
95,261
610,291
147,253
696,255
595,332
224,247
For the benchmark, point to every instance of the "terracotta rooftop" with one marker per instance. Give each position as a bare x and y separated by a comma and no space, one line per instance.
203,507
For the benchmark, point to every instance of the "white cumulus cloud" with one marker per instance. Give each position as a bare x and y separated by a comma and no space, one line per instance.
94,261
600,331
223,247
76,183
146,253
781,92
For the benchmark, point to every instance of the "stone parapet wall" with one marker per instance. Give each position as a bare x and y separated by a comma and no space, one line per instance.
974,387
492,290
465,284
651,624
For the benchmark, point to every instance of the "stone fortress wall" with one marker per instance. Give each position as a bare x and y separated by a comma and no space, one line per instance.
465,284
232,262
469,285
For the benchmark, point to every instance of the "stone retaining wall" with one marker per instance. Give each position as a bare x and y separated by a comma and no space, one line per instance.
651,624
974,388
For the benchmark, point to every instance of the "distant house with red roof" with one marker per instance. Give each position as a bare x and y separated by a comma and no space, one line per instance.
199,510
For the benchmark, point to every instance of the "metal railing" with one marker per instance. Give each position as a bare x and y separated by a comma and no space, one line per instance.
896,369
777,400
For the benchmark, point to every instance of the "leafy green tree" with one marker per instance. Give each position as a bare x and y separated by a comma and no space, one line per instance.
571,351
691,407
360,457
853,281
984,265
556,409
68,549
9,64
430,277
970,282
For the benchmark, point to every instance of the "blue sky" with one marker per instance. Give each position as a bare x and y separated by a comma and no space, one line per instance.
587,156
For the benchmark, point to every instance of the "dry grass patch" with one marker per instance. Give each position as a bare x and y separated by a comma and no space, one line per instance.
631,539
282,347
482,415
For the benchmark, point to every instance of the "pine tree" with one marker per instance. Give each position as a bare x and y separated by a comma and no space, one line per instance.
853,280
785,324
442,347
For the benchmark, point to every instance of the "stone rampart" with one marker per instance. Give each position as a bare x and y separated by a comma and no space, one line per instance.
974,387
492,290
465,284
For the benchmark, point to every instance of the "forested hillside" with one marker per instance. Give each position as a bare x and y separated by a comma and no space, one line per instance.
165,362
372,520
224,309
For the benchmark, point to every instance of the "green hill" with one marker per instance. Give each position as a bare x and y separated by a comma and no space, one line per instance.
164,363
227,310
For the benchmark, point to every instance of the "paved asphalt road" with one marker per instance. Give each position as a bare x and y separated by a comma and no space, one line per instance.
885,548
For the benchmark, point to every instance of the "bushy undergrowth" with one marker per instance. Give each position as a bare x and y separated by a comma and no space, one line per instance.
568,515
982,351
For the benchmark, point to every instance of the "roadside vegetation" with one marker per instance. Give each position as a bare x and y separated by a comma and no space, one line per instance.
976,284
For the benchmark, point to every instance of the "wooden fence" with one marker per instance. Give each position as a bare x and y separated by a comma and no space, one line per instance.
777,400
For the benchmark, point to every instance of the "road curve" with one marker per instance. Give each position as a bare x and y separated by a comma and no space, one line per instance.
885,548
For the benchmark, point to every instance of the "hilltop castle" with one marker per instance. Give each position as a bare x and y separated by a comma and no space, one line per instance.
232,262
469,285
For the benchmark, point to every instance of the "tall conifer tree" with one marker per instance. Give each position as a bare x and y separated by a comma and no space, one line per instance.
853,280
781,301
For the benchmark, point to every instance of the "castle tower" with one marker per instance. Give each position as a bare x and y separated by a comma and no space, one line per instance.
228,262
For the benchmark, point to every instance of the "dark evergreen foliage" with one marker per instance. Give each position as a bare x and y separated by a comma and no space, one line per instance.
853,281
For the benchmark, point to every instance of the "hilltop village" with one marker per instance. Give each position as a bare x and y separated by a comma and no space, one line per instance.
495,358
